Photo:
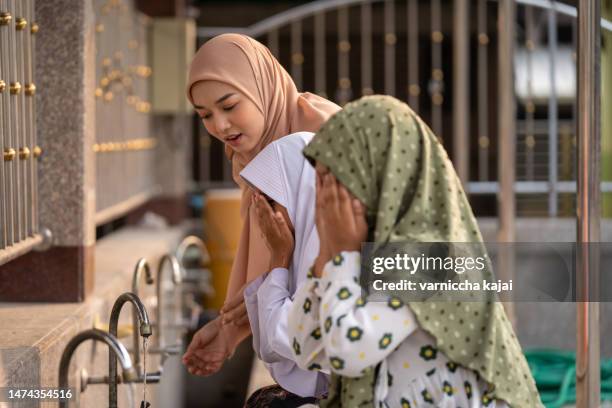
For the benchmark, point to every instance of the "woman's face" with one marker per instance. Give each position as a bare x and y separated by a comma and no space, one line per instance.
228,115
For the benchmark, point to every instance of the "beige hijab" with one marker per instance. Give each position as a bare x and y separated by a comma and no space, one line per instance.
250,67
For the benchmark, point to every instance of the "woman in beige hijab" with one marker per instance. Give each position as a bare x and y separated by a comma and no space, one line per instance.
246,99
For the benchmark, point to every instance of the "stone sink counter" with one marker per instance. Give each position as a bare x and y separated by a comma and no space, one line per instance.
33,335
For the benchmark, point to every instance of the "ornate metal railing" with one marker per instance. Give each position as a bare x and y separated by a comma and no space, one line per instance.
427,53
18,169
124,144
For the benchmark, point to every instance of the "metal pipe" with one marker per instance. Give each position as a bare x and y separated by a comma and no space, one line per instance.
10,194
319,47
30,121
588,203
552,115
142,266
437,72
116,349
367,88
414,90
152,378
530,187
191,241
343,93
19,128
176,279
4,135
529,104
507,142
507,118
483,93
273,42
461,94
390,43
297,55
144,330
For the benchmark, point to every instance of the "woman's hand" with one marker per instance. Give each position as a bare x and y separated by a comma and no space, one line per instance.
276,231
234,310
207,351
324,251
344,225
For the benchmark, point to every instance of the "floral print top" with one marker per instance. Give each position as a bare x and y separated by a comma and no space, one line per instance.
333,327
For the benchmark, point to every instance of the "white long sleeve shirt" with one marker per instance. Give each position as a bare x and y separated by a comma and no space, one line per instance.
268,302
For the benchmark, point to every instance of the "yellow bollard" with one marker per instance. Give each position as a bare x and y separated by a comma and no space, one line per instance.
222,226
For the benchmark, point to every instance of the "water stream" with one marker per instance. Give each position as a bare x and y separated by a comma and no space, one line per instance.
145,346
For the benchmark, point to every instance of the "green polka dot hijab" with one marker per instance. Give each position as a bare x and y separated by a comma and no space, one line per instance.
390,160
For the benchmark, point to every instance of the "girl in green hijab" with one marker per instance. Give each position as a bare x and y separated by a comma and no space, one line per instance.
383,176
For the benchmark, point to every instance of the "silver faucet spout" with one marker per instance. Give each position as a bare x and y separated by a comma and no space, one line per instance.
176,279
142,266
144,331
116,350
190,242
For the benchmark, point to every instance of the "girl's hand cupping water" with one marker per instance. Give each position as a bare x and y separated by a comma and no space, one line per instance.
207,351
277,231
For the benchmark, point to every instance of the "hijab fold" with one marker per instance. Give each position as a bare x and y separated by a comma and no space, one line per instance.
391,161
248,66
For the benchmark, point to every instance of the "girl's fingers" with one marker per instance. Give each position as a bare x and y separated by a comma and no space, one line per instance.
258,209
233,303
194,365
234,314
334,199
358,208
265,216
344,200
345,207
360,217
329,192
242,320
281,224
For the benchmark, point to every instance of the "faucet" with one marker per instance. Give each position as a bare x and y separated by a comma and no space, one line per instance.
116,350
191,241
145,331
141,266
176,279
202,280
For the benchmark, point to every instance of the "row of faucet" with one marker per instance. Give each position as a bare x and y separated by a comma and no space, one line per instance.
132,370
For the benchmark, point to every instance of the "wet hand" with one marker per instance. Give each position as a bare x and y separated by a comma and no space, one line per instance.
276,232
207,351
